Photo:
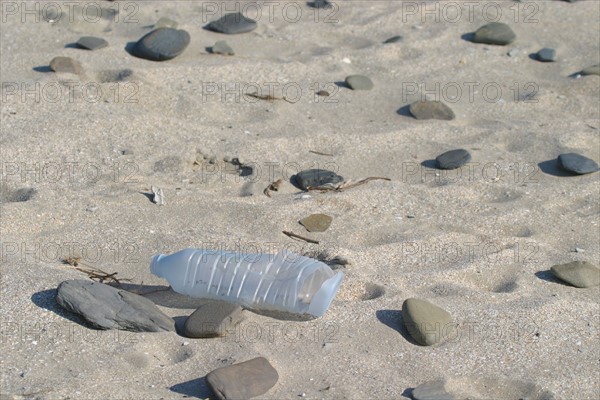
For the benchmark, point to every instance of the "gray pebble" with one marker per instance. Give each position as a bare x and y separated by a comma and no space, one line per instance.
162,44
546,55
317,177
496,33
453,159
244,380
221,47
232,24
65,64
577,164
431,110
91,43
359,82
212,319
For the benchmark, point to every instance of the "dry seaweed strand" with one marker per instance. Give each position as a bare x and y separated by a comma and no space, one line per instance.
94,273
294,235
346,185
268,97
320,153
274,186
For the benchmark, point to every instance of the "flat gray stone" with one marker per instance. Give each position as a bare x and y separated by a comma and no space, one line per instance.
162,44
453,159
316,222
431,110
221,47
495,33
91,43
244,380
359,82
432,390
65,64
546,55
581,274
232,24
106,307
323,4
317,177
169,164
212,319
164,22
428,324
593,70
577,164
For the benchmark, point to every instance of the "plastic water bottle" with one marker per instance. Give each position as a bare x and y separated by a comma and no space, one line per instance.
283,282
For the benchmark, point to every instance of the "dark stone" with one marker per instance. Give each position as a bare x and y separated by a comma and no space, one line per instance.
546,55
577,163
431,110
91,43
65,64
162,44
212,319
393,39
317,177
106,307
453,159
324,4
244,380
495,33
593,70
232,24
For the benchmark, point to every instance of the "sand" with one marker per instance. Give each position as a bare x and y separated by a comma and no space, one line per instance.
479,244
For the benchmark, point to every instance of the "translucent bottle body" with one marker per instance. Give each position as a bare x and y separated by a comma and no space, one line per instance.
282,282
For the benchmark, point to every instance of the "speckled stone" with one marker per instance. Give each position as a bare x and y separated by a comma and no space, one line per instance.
428,324
495,33
581,274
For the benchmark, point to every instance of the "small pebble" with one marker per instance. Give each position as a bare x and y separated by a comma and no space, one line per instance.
243,380
581,274
65,64
359,82
232,24
221,47
546,55
496,33
164,22
431,110
162,44
91,43
316,222
453,159
317,177
393,39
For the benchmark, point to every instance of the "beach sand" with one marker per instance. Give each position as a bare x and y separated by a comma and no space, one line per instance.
478,242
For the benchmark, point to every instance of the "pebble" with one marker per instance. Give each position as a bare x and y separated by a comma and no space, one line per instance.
581,274
432,390
91,43
428,324
244,380
212,319
359,82
317,177
453,159
546,55
323,93
65,64
593,70
221,47
393,39
232,24
164,22
162,44
316,222
577,164
106,307
431,110
159,196
495,33
513,52
324,4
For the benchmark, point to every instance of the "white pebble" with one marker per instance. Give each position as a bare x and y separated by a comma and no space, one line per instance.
346,60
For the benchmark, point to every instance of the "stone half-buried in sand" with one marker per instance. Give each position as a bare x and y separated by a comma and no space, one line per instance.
245,380
427,323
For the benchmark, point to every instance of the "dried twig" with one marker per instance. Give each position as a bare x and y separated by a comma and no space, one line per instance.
346,184
268,97
293,235
319,153
93,272
273,186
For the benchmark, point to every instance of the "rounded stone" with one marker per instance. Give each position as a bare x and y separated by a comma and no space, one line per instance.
546,55
164,22
453,159
316,222
162,44
317,177
212,319
496,33
359,82
231,24
428,324
431,110
577,164
393,39
65,64
581,274
593,70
